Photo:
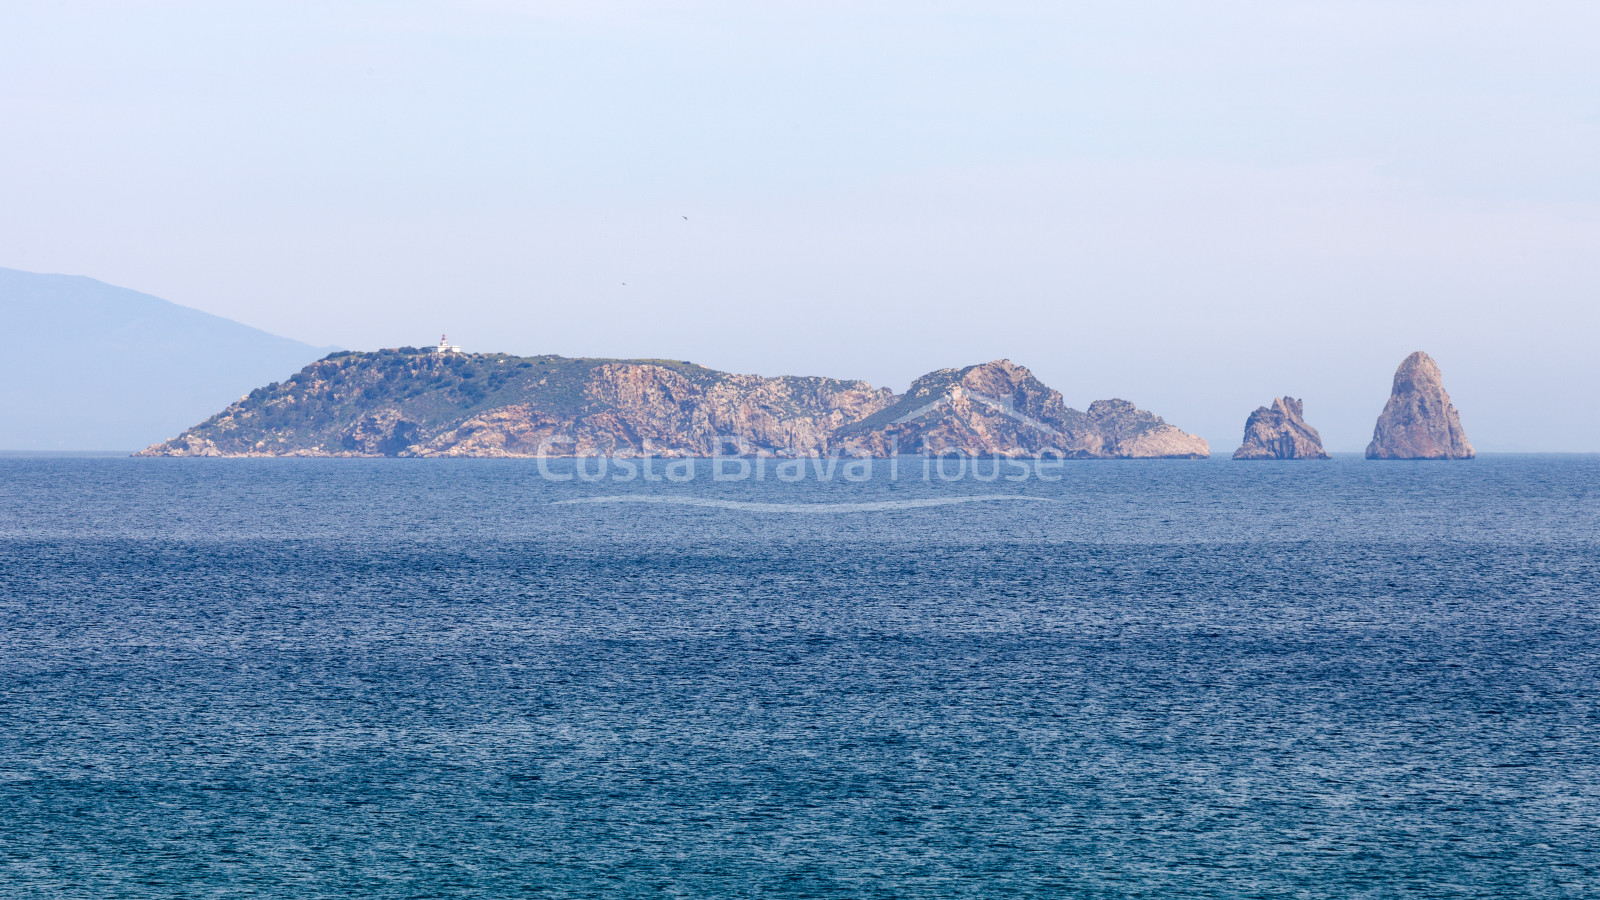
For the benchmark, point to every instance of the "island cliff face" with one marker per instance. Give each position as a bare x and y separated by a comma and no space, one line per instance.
651,410
415,403
1419,422
1000,408
1280,431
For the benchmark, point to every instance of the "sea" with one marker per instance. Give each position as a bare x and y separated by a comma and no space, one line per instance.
953,678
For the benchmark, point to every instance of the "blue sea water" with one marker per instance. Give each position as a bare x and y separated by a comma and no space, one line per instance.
407,678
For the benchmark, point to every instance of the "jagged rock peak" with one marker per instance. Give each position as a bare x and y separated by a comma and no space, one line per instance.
999,407
1280,431
1419,422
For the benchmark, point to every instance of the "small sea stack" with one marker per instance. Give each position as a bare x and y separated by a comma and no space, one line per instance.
1280,431
1419,422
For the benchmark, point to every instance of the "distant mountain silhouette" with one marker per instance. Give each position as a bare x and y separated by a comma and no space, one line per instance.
90,366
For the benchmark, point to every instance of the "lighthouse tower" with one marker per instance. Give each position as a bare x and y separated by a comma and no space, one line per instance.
445,346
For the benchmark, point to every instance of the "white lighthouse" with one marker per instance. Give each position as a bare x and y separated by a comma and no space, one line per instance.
445,346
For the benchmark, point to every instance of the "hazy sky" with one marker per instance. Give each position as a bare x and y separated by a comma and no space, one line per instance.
1196,206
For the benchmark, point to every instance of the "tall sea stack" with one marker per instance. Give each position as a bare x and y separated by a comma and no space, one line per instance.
1280,431
1419,421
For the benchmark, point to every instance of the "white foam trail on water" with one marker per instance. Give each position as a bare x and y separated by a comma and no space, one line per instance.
812,508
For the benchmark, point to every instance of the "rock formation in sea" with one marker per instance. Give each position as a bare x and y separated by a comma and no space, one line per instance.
414,403
1280,431
1419,422
1000,407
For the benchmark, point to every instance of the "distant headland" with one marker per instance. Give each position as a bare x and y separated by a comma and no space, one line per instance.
441,402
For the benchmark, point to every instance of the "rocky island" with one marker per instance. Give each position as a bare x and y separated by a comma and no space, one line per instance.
1280,431
429,403
1419,422
1000,407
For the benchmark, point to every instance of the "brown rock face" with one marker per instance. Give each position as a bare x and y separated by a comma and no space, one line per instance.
1419,422
1000,408
649,410
383,432
1280,431
1120,430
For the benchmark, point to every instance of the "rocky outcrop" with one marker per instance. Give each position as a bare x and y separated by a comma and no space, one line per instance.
1119,430
185,444
411,403
1001,408
383,432
649,410
1280,431
1419,421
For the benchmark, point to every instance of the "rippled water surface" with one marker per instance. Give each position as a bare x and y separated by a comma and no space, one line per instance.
306,678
